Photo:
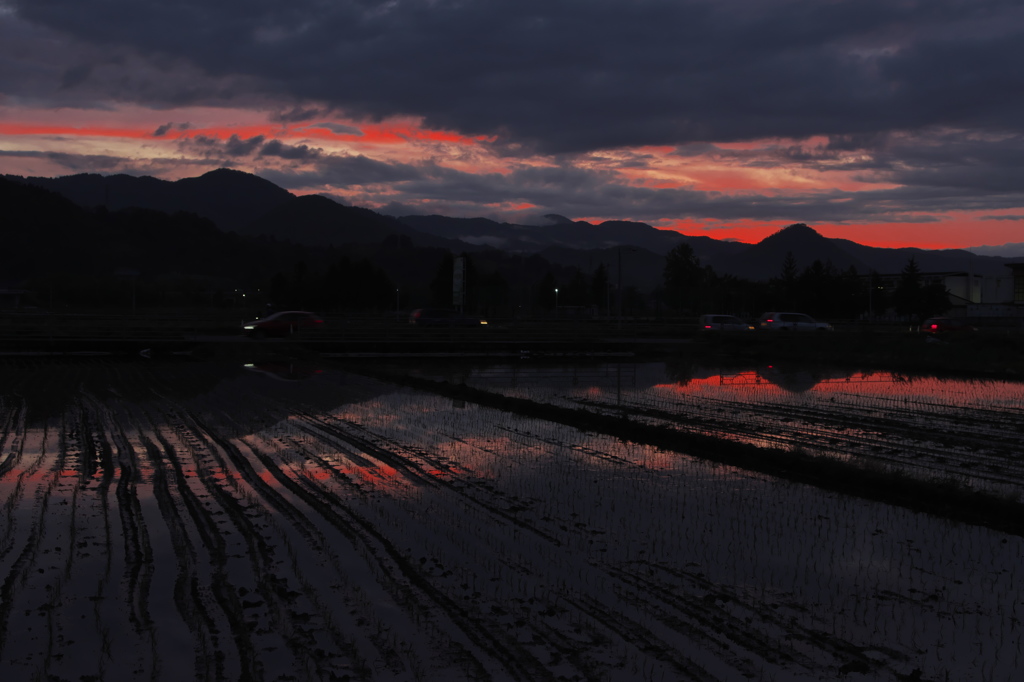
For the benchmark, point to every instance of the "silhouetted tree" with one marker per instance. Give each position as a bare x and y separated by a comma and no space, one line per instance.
599,287
789,270
787,282
490,293
851,300
816,288
934,299
907,297
682,276
545,294
441,284
576,292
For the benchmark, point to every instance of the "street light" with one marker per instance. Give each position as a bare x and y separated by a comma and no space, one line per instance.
556,301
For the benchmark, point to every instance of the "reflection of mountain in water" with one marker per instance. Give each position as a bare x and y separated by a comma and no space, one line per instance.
631,375
48,387
238,399
798,379
254,400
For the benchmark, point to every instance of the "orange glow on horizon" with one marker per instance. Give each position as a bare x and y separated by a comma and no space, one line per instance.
386,134
955,233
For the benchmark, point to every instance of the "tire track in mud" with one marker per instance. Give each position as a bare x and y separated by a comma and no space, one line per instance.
611,621
72,576
700,611
138,647
356,435
259,555
35,582
414,588
300,522
30,491
704,620
188,589
461,490
147,454
693,619
137,548
414,462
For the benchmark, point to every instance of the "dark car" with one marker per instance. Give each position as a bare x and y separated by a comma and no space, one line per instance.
443,317
722,323
939,325
792,322
284,323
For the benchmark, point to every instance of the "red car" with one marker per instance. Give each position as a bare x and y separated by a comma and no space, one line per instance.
284,323
938,325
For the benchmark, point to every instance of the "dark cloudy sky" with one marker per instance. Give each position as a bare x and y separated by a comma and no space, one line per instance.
885,121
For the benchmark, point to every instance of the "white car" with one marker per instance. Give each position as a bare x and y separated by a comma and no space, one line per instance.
792,322
722,323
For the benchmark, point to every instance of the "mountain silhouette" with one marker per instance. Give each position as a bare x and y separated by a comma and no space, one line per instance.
247,204
764,260
318,221
559,232
230,198
45,234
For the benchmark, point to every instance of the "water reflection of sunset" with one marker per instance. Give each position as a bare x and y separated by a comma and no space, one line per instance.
958,430
401,526
888,384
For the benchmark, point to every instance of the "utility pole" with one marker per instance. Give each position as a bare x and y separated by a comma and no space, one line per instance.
620,286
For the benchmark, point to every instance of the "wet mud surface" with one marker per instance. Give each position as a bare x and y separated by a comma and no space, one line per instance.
193,521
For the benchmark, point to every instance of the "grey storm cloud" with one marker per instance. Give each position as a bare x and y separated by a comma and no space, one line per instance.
299,152
347,171
236,146
76,75
76,163
1002,217
577,191
169,126
578,75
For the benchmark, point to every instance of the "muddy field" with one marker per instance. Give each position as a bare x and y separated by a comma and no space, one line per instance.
200,521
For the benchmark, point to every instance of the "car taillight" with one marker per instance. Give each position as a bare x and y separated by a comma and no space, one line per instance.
934,327
707,326
769,320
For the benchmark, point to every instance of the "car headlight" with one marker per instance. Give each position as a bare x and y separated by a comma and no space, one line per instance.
249,327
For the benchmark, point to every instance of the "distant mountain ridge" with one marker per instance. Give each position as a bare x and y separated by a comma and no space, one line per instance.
237,202
229,198
244,203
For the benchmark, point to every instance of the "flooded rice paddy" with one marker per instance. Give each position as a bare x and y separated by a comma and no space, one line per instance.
969,432
215,522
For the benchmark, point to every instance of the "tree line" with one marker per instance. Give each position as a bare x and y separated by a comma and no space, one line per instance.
820,289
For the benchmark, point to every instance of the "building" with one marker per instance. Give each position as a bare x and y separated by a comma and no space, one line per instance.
996,301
